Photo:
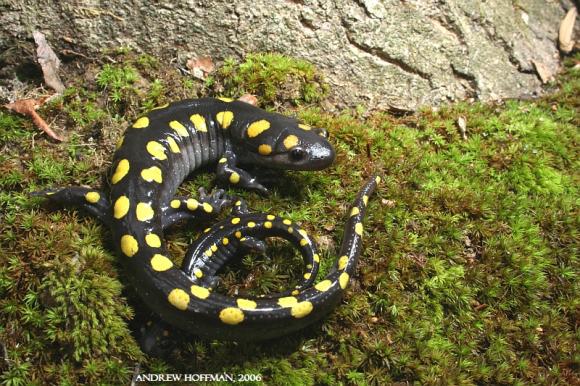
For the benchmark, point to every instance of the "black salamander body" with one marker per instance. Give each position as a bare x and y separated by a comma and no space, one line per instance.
154,157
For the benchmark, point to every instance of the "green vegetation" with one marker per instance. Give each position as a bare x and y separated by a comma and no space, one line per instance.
273,77
469,273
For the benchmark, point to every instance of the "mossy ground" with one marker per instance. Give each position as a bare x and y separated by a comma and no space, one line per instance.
469,273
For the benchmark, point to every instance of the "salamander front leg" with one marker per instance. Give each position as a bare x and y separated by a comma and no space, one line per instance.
91,200
229,174
206,206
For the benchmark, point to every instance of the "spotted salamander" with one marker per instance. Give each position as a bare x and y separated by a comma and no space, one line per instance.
154,157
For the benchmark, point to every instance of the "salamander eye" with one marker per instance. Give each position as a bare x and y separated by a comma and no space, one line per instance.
297,153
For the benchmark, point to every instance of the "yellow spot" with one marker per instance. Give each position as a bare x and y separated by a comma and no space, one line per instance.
192,203
207,207
129,245
238,234
152,174
290,230
153,240
225,118
251,224
198,273
173,146
295,292
234,178
206,230
238,203
223,160
358,228
121,171
301,309
290,141
160,107
141,123
232,315
160,263
287,222
378,179
268,225
246,304
225,241
354,211
343,280
316,258
323,285
303,233
304,126
366,199
270,217
264,149
225,99
303,242
235,220
288,301
156,150
307,275
199,122
342,261
175,204
179,299
144,211
120,143
257,128
308,266
213,248
92,197
179,128
199,292
209,253
121,207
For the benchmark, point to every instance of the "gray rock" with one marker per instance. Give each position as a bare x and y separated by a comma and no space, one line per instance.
388,54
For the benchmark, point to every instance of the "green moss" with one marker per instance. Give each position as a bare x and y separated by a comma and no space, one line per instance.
82,107
469,272
274,77
117,81
13,128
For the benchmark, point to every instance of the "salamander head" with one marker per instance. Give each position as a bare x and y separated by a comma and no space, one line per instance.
285,144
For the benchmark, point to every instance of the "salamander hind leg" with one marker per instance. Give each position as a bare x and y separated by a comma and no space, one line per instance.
91,200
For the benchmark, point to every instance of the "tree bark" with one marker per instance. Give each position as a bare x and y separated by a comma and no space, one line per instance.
389,54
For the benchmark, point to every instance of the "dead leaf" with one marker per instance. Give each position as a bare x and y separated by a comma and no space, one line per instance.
249,98
48,61
565,41
28,107
388,203
543,72
462,124
200,67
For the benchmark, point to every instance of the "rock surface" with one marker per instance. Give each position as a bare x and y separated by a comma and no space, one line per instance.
389,54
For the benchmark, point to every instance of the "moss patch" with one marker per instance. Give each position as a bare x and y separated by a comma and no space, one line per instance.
273,77
469,273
